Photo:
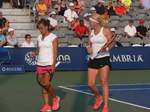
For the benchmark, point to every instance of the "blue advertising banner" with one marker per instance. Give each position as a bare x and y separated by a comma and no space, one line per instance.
130,58
76,58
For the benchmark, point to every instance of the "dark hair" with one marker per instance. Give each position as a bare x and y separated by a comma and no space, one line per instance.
26,36
3,24
45,22
81,21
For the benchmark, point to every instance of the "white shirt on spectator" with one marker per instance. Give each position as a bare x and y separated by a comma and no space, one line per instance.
53,22
25,44
130,30
70,15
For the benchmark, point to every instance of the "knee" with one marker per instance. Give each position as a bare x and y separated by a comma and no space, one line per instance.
91,85
104,83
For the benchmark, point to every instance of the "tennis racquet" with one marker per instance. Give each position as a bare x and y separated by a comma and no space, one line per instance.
105,46
44,79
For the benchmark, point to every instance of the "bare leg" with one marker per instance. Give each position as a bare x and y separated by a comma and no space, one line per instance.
104,72
92,74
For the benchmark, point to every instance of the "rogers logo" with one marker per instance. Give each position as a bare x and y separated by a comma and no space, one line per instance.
30,60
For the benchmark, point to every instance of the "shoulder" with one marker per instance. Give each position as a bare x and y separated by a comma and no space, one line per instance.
39,37
52,35
106,29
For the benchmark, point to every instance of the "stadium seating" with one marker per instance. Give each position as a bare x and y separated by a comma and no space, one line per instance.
136,41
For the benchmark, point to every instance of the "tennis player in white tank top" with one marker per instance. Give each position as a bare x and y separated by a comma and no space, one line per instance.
100,64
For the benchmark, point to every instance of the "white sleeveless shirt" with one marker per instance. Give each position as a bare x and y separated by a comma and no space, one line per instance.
45,56
98,41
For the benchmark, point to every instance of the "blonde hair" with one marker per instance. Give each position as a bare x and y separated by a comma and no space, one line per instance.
102,22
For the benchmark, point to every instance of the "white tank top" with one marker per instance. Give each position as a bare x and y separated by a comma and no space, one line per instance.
97,42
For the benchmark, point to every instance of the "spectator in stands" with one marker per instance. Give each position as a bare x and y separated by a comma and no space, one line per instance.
62,8
100,7
5,27
2,39
117,39
70,16
80,14
81,3
93,10
22,4
11,38
128,5
53,21
142,31
0,3
17,4
111,8
41,9
145,4
81,30
13,3
1,19
130,30
48,3
105,16
76,6
28,42
120,8
86,20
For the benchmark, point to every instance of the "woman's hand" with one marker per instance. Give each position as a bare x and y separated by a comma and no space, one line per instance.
32,54
89,50
52,68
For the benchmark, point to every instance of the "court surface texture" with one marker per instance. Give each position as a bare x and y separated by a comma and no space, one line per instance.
129,92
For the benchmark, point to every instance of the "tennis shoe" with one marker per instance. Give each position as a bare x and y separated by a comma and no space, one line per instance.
105,109
46,108
98,102
55,102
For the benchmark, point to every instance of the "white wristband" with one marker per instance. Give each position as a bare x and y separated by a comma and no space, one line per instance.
107,49
88,46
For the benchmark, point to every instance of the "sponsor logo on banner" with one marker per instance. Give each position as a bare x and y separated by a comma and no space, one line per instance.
12,69
9,69
30,60
126,58
87,58
64,58
123,58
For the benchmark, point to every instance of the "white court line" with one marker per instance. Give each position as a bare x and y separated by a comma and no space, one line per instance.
109,98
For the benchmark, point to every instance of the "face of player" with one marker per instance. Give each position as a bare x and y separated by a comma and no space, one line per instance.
92,24
43,29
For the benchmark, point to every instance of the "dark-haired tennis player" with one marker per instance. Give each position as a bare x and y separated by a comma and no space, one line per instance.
47,51
98,36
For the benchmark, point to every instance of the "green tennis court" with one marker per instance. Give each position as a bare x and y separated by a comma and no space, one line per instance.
21,93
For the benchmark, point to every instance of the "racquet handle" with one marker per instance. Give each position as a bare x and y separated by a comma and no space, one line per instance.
57,63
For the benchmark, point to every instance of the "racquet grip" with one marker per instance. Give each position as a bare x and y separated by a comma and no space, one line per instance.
57,63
